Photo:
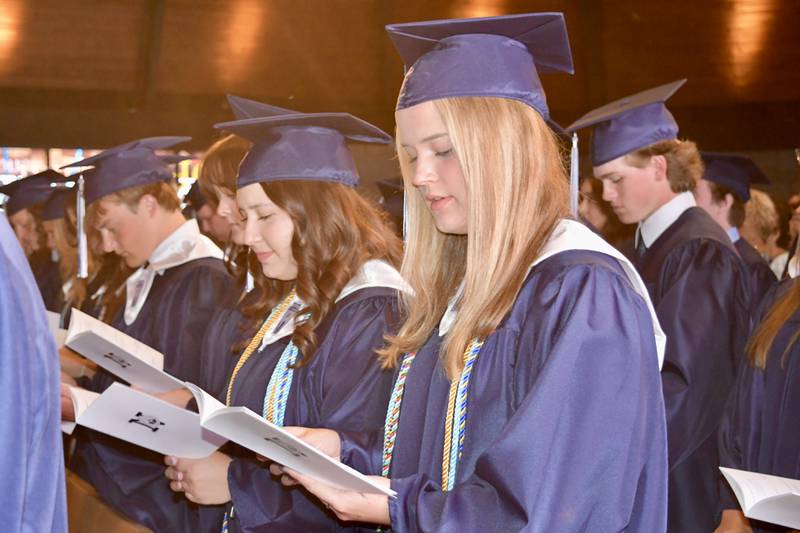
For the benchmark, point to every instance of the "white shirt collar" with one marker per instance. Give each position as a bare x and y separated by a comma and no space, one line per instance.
662,218
183,245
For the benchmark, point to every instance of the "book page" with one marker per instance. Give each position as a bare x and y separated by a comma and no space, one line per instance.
764,497
149,422
120,354
81,323
81,400
244,427
206,404
54,323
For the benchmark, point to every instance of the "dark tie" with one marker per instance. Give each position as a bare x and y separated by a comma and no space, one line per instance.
640,246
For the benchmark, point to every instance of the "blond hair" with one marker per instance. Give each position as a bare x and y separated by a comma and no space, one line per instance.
761,216
517,192
684,164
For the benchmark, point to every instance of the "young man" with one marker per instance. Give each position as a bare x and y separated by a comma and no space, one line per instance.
696,280
722,193
23,208
178,280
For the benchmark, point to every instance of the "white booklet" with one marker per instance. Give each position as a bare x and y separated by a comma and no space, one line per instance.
54,324
122,355
768,498
137,417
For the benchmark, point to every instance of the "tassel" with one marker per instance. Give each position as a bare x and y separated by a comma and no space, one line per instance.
83,250
574,176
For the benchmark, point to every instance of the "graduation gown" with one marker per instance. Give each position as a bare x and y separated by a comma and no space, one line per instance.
761,277
565,424
32,462
699,287
761,431
48,279
341,387
173,320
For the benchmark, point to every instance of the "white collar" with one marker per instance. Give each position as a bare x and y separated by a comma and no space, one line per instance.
733,233
183,245
373,273
662,218
572,235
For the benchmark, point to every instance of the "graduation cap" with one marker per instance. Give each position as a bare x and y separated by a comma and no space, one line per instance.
496,56
55,206
31,190
245,108
630,123
302,146
128,165
736,172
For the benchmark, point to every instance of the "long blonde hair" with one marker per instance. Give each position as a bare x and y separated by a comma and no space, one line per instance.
517,192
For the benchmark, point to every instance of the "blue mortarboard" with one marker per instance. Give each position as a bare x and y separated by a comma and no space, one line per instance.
630,123
55,206
736,172
31,190
244,108
302,146
128,165
497,56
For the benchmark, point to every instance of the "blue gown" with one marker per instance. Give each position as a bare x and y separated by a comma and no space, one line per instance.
342,387
699,287
565,426
173,321
32,463
761,277
48,279
761,432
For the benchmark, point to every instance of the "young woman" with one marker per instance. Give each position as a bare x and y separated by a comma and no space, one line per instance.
527,394
329,296
760,432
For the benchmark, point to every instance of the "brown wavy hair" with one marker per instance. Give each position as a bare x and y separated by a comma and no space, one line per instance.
761,342
336,231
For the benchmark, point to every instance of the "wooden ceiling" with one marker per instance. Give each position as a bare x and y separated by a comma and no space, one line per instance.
98,72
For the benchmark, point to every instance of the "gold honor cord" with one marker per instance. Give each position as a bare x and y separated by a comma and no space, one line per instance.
271,320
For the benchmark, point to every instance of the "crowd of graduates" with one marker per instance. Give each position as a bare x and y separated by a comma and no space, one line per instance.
500,360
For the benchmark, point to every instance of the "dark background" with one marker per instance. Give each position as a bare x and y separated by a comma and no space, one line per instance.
97,73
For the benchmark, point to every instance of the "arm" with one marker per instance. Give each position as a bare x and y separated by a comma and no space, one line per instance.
703,309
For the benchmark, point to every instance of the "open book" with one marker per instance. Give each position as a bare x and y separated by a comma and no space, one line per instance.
768,498
147,421
122,355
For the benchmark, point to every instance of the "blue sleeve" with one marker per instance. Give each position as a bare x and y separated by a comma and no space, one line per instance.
32,464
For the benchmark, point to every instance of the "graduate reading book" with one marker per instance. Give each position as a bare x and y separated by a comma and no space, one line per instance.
768,498
147,421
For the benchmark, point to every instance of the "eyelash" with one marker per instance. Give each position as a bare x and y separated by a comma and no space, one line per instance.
437,154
